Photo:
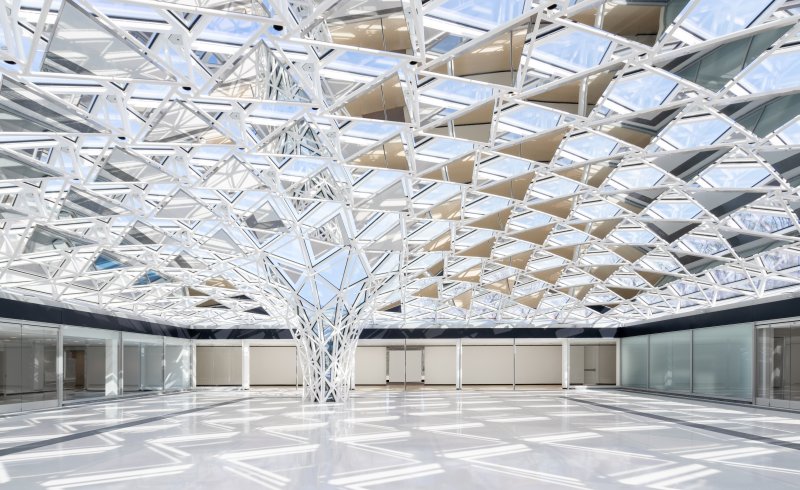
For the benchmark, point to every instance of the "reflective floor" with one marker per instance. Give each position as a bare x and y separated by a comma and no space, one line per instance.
474,439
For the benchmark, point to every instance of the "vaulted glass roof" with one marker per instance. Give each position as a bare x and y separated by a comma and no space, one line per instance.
513,163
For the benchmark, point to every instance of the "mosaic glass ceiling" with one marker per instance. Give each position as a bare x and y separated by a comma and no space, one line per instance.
207,162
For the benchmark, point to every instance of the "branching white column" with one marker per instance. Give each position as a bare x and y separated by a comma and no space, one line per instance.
327,356
326,323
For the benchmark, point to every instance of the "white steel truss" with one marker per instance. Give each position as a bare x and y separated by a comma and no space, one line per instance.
337,163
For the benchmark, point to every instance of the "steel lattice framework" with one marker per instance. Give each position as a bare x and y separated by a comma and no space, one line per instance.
327,164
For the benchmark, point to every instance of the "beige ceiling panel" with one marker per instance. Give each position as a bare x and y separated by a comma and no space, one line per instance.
515,188
450,210
458,171
439,244
535,235
532,300
600,229
625,293
463,300
470,275
431,291
483,250
495,221
603,272
549,275
629,253
566,252
517,261
555,207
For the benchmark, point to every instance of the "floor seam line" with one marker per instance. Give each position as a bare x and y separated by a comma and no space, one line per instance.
111,428
694,425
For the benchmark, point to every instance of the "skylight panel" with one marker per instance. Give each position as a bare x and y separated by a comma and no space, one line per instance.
486,205
568,238
455,94
735,176
553,187
437,193
272,114
778,260
778,71
526,120
635,93
680,210
376,181
762,222
597,211
635,177
359,66
444,149
529,221
569,51
588,147
365,132
695,132
711,18
705,246
228,30
472,17
503,167
633,236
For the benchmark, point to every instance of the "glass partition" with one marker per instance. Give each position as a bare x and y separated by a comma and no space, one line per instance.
713,361
27,367
722,361
634,362
90,363
143,362
93,364
670,361
177,364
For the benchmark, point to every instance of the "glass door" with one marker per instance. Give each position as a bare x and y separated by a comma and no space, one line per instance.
28,359
778,366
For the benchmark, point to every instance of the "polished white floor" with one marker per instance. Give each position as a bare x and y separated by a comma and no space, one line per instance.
481,439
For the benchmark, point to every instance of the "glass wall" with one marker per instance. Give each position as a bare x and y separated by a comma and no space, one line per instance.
722,362
28,376
714,361
670,361
143,365
91,363
634,361
42,365
177,364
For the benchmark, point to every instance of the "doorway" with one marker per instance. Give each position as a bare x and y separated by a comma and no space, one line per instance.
778,366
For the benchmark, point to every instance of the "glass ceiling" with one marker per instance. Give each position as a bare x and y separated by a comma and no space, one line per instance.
227,164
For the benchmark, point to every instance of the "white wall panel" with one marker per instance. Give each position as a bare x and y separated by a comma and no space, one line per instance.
487,364
576,364
370,365
131,367
397,366
273,365
606,364
95,370
414,366
440,365
538,364
219,365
